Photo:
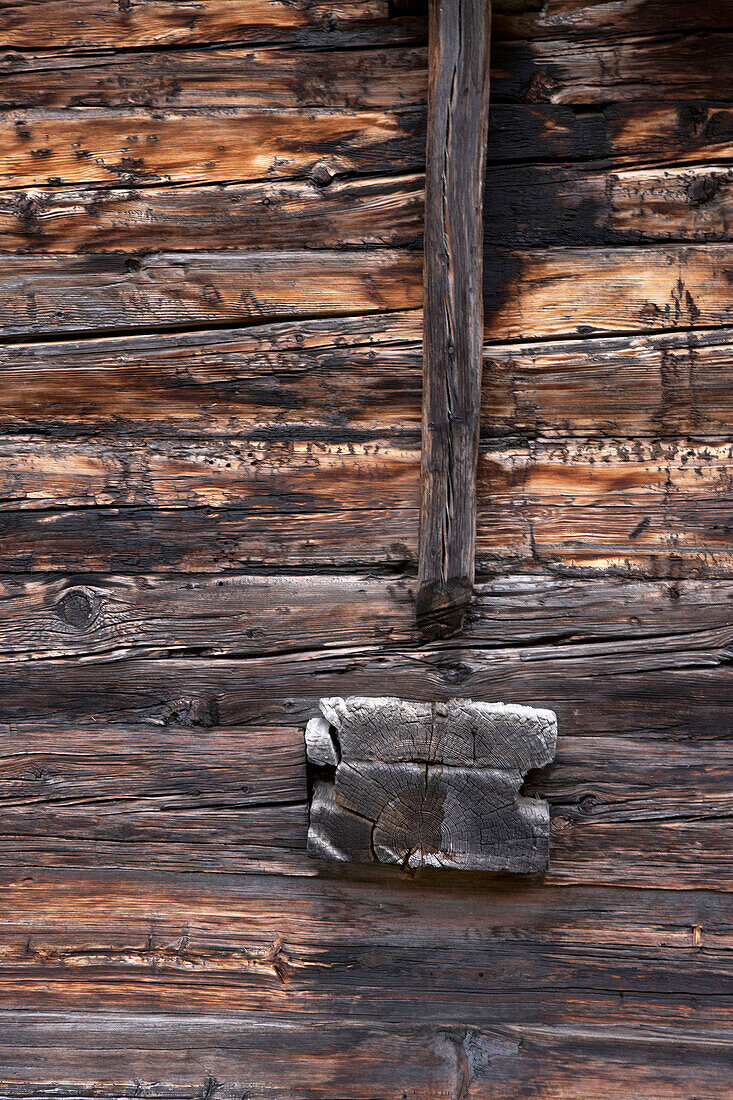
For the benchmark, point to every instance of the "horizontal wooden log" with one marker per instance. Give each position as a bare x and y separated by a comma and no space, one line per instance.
137,146
557,206
360,374
265,478
596,20
527,294
353,907
671,66
118,616
224,798
348,214
632,386
667,67
636,133
647,508
182,1055
170,22
553,207
216,77
594,691
53,294
589,291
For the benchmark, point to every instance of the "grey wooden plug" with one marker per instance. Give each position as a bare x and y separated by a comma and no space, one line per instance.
429,784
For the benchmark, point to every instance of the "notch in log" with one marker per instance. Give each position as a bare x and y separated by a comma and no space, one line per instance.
429,784
458,110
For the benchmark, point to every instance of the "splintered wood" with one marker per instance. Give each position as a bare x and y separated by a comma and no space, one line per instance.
429,784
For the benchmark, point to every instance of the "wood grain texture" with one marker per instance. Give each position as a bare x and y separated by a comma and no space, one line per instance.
663,66
101,292
328,377
632,133
646,508
433,1061
190,794
531,294
422,785
171,22
597,20
458,107
111,617
559,206
223,77
168,614
346,214
133,147
318,376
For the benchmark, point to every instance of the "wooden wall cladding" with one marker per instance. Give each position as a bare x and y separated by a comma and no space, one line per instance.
211,223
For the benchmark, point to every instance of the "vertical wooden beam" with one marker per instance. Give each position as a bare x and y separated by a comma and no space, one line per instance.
458,109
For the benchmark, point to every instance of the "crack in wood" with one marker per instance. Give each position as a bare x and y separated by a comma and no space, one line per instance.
429,784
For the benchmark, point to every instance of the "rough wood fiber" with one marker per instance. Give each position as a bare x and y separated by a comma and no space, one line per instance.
270,78
152,714
166,23
429,785
458,107
138,147
330,377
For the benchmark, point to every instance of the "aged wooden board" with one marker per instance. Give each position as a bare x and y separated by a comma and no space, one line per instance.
645,508
101,292
458,107
166,23
216,77
138,146
424,785
429,1061
528,294
265,215
191,795
255,614
338,378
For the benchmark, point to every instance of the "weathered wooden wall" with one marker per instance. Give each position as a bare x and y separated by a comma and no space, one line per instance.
210,224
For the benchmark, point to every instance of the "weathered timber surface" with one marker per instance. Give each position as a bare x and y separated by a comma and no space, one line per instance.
328,377
346,214
273,79
458,107
559,206
429,785
139,147
528,294
315,376
190,794
671,66
165,23
632,133
597,20
169,618
183,1054
100,292
584,292
244,614
554,207
655,385
655,508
